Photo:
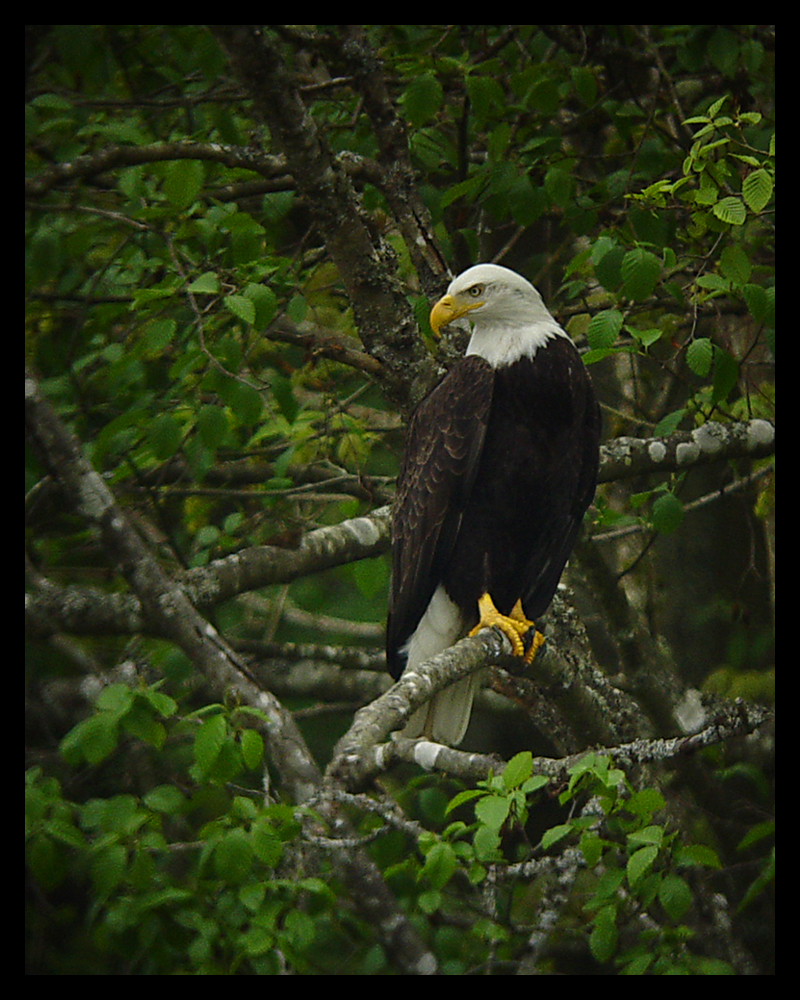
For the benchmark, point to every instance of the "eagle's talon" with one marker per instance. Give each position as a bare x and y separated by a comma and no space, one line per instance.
533,641
521,631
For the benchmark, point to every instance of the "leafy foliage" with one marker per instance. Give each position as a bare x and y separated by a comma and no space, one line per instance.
237,369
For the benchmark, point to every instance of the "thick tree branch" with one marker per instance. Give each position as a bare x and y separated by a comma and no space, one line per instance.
730,719
399,182
624,456
366,265
588,708
83,610
166,605
353,762
114,157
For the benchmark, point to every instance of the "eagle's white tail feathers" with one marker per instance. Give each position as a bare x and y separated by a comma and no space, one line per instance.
446,716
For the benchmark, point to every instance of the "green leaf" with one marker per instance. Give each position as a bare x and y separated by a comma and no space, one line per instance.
592,848
726,375
266,303
209,741
233,855
675,896
518,770
206,284
485,93
252,744
714,283
667,513
440,865
735,264
526,202
585,84
641,270
162,703
730,210
165,799
164,435
241,307
653,834
604,936
299,929
91,740
756,834
46,862
267,845
669,423
607,260
158,336
556,833
645,802
492,811
697,854
212,425
183,182
244,400
559,185
647,337
108,868
640,863
487,844
604,328
116,698
756,298
757,190
699,356
714,967
466,796
139,722
422,99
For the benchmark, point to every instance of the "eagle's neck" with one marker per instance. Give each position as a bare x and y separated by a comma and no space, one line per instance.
503,345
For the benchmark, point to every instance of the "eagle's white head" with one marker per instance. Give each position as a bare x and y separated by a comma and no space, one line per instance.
508,318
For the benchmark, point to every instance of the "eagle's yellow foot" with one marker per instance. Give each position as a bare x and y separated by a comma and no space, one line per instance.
525,640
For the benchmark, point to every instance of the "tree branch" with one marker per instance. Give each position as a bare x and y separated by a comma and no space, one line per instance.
354,761
731,719
624,456
113,157
366,265
166,605
83,610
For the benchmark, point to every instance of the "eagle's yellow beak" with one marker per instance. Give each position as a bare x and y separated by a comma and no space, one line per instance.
447,309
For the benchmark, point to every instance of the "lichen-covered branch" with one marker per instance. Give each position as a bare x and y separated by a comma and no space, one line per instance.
166,604
365,263
83,610
114,157
625,456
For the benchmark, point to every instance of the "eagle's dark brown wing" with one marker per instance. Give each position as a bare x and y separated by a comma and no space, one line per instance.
442,452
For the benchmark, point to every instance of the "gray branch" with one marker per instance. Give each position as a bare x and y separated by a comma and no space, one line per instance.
625,456
84,610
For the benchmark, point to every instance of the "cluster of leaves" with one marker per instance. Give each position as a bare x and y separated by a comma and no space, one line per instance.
147,310
637,884
195,874
199,875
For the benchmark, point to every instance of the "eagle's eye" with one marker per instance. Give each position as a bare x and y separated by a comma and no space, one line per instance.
475,291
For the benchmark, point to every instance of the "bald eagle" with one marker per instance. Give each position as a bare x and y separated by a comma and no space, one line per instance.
500,465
